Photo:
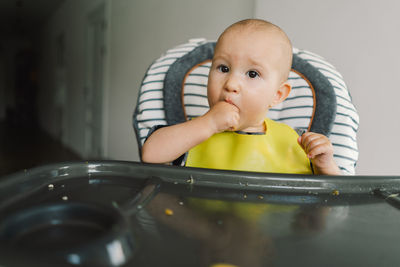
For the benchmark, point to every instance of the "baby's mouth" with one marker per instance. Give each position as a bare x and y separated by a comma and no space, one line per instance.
229,101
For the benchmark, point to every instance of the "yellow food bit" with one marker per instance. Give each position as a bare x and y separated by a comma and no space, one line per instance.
335,192
169,212
392,195
260,197
190,180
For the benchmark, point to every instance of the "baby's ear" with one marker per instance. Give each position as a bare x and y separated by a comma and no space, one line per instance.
282,93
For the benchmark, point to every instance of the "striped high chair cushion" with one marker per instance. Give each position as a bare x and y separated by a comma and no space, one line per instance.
174,89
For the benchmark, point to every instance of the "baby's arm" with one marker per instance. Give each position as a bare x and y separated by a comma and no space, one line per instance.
168,143
320,150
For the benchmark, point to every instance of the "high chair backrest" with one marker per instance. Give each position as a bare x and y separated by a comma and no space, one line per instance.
174,90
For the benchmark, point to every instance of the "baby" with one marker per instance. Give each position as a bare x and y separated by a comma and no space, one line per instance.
248,76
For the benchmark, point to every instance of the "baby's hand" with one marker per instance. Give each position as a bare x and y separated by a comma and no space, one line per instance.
320,150
223,117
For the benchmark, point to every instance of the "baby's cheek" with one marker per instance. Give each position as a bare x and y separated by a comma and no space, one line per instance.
256,109
211,101
213,97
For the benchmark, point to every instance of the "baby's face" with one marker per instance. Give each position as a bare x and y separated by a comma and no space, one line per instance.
246,72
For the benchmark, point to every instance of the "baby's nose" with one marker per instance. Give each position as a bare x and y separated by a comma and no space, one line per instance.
232,84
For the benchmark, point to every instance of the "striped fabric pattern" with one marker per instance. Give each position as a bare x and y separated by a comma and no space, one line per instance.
295,111
195,91
345,127
150,106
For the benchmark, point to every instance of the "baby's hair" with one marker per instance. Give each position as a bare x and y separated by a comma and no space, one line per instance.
258,23
255,23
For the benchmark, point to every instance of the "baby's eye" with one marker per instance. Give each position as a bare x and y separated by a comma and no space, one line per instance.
253,74
223,68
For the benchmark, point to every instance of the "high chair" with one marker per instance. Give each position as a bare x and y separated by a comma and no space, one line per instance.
174,90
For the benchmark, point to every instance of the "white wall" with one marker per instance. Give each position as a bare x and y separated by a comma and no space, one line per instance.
140,32
361,38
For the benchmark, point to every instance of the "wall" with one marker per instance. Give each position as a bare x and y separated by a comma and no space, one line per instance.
2,88
10,46
9,50
361,39
68,20
138,32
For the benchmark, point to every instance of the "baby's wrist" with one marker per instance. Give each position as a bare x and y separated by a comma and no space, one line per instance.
208,124
327,169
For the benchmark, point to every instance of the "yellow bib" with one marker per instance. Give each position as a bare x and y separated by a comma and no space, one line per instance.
276,151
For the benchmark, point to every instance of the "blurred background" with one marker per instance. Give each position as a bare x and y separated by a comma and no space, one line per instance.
70,70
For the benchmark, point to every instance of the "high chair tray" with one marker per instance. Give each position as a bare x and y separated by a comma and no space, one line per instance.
114,213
